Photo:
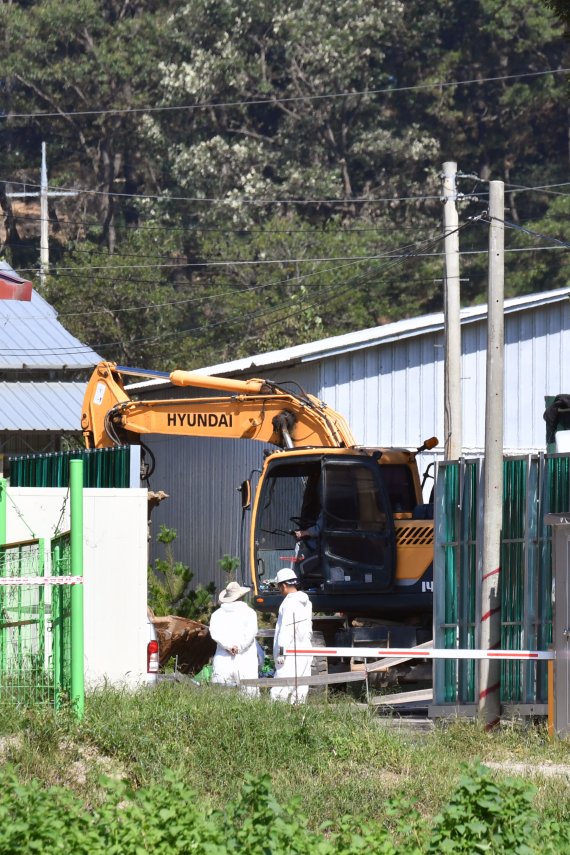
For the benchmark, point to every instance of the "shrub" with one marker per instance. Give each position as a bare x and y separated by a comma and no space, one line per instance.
484,815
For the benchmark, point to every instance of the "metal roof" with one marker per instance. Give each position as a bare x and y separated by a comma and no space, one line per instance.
41,406
378,335
32,337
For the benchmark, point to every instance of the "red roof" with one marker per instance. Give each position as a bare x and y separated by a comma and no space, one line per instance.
12,287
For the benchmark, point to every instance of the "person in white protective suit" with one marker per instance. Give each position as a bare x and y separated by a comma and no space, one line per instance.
234,627
294,629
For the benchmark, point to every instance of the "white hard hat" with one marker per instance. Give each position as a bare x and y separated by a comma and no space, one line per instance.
286,575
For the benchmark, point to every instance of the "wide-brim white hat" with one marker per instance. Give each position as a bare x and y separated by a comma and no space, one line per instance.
232,592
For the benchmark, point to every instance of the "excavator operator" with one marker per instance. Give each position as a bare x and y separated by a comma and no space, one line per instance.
307,548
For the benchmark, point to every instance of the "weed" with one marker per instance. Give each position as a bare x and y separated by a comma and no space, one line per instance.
337,759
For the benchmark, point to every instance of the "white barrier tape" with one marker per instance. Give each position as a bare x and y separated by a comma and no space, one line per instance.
41,580
414,653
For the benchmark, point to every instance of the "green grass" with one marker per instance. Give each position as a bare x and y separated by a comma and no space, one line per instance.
338,759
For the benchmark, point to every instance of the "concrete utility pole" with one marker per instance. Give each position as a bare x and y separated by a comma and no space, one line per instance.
490,670
44,195
44,221
452,321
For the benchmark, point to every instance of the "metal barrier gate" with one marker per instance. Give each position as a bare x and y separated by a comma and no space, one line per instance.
534,485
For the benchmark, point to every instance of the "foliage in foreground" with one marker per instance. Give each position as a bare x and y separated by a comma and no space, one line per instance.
483,815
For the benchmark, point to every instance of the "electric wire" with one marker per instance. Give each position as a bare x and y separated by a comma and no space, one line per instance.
527,231
340,288
244,230
391,90
232,199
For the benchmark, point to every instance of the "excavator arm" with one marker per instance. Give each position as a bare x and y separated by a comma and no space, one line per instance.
250,409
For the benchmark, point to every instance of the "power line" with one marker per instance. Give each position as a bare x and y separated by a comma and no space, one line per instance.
230,263
544,188
243,200
287,281
519,228
74,271
364,93
206,297
359,200
245,230
241,317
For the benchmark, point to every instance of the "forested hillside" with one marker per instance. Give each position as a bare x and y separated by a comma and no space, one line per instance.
256,173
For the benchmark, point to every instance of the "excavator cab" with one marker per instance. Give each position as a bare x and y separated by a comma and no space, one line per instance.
342,499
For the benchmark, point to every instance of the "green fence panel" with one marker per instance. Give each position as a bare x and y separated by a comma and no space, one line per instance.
35,623
103,467
24,610
456,602
533,486
514,575
61,620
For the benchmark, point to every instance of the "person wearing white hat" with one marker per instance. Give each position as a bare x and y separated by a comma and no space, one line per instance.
293,629
234,627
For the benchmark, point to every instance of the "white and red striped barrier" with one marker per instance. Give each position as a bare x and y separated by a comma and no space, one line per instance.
9,581
414,653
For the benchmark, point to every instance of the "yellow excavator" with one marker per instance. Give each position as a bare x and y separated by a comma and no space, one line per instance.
369,549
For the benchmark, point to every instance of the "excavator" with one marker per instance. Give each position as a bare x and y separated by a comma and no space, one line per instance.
370,551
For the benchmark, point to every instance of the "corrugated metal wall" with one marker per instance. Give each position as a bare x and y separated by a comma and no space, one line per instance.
201,477
391,394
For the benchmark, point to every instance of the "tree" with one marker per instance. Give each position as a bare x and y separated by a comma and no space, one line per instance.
169,585
88,65
276,162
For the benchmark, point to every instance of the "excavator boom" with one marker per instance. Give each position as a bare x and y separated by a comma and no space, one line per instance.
254,409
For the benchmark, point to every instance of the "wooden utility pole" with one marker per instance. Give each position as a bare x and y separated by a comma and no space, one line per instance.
452,321
490,670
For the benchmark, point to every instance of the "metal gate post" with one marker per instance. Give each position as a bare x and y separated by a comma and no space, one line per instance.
77,651
561,621
3,497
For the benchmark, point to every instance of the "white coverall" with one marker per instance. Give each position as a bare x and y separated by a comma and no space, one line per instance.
294,629
235,625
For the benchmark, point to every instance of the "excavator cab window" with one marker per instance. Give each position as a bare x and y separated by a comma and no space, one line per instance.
400,486
286,503
358,539
345,501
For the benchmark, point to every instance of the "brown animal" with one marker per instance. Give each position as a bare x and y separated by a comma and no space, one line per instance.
188,640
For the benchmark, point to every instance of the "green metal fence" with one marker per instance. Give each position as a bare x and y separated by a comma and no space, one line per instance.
103,467
35,623
41,616
24,614
533,486
61,620
456,573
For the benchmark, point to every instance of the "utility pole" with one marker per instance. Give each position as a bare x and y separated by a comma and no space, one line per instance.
44,221
44,195
452,321
490,670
